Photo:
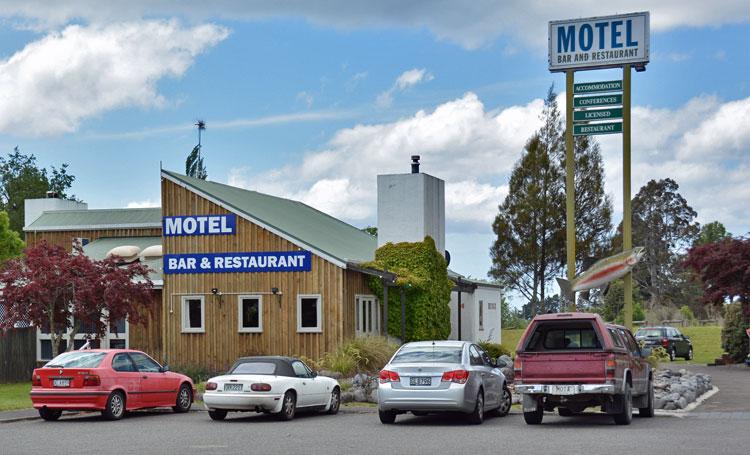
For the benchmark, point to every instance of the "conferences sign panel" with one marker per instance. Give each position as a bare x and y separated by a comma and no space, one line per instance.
599,42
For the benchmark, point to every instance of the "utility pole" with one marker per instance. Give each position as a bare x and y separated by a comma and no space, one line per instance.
570,201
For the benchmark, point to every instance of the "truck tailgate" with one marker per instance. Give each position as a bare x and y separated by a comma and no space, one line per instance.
563,367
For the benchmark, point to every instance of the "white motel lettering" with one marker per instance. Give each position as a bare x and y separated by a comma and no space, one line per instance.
199,225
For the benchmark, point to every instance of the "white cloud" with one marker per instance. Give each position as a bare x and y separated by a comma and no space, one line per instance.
143,204
406,80
307,98
470,23
54,83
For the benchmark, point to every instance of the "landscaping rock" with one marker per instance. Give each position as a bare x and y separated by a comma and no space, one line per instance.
360,395
373,398
677,389
347,397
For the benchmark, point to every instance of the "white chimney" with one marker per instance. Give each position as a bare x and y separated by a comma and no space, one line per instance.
411,207
33,208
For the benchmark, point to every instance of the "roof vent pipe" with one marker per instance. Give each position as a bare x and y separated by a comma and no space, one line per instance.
415,164
53,195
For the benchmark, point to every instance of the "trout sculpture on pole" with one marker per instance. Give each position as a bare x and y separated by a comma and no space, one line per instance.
601,273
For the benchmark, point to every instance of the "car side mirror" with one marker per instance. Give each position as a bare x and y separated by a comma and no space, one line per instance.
645,352
314,374
500,363
164,369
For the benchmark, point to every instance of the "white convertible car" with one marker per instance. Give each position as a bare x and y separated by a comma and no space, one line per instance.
277,385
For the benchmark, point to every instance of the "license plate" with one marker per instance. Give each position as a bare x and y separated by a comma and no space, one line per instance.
233,387
562,389
420,380
61,382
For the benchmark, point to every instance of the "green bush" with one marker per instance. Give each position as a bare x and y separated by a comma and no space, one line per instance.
734,340
686,313
198,373
360,355
658,354
422,274
495,350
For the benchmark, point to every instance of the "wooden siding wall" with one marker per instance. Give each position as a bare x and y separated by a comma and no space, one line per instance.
146,337
17,354
65,238
222,343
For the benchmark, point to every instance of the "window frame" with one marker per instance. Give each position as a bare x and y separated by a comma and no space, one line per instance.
240,327
319,327
481,315
185,315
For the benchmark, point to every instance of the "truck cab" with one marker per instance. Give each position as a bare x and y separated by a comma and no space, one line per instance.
573,361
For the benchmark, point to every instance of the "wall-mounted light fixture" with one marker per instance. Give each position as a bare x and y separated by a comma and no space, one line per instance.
217,292
275,291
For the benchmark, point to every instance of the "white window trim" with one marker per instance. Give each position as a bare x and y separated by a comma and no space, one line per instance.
242,329
104,341
183,314
319,327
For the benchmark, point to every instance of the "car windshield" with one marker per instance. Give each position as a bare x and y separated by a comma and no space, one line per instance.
429,354
654,333
254,368
76,359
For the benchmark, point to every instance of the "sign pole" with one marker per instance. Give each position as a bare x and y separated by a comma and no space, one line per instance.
627,234
570,203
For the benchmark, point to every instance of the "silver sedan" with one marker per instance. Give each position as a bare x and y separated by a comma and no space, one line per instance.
438,376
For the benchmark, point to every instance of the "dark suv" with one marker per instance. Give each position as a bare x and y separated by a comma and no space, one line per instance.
669,338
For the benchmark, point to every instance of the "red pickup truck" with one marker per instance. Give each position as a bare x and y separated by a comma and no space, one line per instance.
572,361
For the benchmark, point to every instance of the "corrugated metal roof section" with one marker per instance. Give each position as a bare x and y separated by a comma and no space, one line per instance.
299,223
99,248
64,220
454,276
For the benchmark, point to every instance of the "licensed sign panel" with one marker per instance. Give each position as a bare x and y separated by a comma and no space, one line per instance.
277,261
597,128
598,100
199,225
597,114
596,87
599,42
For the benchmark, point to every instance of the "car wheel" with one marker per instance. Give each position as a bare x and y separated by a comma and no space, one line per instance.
335,401
288,406
648,411
565,412
50,414
505,403
672,354
387,417
689,354
184,399
625,416
217,414
534,417
115,407
477,415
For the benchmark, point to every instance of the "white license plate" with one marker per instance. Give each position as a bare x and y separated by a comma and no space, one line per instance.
61,382
420,381
562,389
233,387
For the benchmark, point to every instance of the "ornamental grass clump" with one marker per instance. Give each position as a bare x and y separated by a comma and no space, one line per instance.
366,354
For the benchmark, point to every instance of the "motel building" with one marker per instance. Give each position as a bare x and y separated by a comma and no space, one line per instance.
239,272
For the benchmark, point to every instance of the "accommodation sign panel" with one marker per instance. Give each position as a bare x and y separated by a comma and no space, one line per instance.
278,261
599,42
199,225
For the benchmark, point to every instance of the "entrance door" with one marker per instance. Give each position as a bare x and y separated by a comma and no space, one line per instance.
367,315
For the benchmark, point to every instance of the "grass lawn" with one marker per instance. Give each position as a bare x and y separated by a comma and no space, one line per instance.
706,343
15,396
510,337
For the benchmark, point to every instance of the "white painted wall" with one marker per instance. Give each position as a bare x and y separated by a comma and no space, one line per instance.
470,315
33,208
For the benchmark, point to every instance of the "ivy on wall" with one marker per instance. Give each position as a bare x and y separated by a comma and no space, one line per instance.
423,275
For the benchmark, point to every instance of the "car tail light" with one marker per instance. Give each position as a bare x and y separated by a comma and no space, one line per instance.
457,376
389,376
210,386
36,380
664,342
610,365
260,387
92,380
517,369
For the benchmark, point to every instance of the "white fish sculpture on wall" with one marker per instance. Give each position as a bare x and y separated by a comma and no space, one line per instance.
602,272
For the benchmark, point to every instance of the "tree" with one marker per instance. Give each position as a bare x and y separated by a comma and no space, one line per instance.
372,230
530,224
21,178
663,224
11,245
56,289
194,166
724,270
712,233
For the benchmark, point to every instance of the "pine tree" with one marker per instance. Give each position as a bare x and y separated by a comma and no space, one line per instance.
194,166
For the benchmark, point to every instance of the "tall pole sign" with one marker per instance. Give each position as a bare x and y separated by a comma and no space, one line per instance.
620,41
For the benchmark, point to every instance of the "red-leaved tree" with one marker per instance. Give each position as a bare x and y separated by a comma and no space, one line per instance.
724,269
54,288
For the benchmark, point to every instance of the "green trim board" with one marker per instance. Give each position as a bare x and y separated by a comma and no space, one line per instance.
596,87
598,100
597,128
597,114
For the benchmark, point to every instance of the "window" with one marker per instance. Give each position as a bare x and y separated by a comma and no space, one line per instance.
117,327
429,354
630,342
366,315
309,313
77,359
193,314
122,362
254,368
115,337
475,358
300,369
79,343
250,313
616,338
144,363
485,357
117,344
481,315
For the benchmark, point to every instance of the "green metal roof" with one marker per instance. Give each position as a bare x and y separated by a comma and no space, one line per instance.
99,248
67,220
298,222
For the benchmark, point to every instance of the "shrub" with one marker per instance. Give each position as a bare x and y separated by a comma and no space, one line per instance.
360,355
658,354
734,340
198,373
495,350
686,313
315,366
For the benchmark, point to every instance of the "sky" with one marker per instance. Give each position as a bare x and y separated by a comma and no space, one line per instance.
311,100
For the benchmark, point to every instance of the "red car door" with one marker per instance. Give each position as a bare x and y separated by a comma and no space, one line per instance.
127,376
156,387
638,369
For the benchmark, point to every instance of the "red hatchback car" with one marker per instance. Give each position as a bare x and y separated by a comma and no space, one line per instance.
108,380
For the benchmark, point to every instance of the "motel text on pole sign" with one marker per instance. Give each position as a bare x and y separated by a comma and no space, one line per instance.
599,42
